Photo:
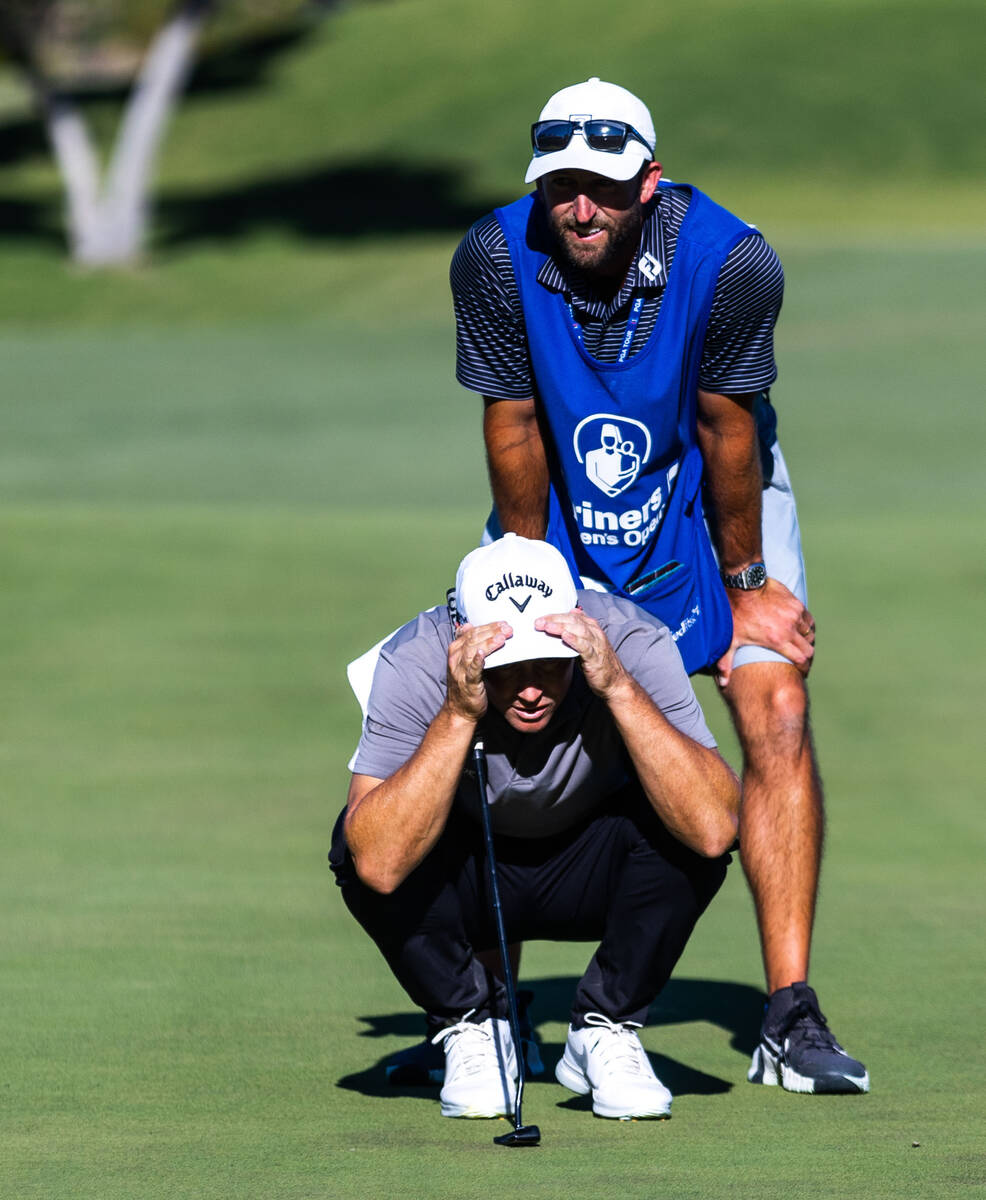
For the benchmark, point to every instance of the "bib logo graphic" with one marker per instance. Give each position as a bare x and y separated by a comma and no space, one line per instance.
612,449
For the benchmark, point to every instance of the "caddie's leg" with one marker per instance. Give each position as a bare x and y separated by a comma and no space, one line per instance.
781,815
781,829
781,821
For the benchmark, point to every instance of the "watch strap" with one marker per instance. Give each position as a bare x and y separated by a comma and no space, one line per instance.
750,579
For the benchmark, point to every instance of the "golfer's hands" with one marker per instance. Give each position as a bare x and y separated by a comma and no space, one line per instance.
773,617
468,652
603,671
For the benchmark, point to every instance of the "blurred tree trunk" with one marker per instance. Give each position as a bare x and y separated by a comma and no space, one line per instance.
113,229
108,217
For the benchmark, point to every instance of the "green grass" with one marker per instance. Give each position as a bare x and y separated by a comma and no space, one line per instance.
202,524
227,472
184,991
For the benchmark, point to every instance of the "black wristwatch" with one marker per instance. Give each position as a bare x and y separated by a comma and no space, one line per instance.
750,579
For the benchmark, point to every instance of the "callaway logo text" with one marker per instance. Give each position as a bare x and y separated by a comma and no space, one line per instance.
509,580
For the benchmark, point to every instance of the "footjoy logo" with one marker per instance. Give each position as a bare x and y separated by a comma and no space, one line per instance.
687,623
612,449
509,580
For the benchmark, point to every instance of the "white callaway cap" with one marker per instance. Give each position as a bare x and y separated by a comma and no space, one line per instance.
599,101
516,580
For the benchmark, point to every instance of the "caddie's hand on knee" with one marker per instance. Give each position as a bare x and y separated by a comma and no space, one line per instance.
773,617
466,657
603,671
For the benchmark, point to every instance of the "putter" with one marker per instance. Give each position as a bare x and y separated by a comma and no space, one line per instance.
520,1135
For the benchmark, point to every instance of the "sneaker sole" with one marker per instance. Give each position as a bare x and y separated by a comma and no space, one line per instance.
768,1070
571,1077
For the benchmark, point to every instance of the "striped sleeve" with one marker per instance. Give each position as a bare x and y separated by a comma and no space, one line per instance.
490,336
739,341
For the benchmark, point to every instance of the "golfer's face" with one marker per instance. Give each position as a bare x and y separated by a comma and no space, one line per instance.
528,693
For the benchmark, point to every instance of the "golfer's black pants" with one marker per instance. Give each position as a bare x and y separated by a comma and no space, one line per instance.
620,879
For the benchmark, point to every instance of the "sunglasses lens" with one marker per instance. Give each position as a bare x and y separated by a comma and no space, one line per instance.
609,136
552,135
606,135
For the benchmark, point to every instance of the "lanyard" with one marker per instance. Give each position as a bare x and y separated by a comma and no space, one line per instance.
633,320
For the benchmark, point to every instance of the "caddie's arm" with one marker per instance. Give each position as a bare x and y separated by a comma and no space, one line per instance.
392,824
770,616
691,787
518,466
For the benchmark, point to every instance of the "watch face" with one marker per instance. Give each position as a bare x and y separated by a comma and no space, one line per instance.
750,579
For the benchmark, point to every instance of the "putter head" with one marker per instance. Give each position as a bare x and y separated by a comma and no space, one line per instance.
524,1135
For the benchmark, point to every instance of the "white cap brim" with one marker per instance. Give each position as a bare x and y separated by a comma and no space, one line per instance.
578,155
528,645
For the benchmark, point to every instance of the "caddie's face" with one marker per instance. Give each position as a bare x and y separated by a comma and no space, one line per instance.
597,221
528,693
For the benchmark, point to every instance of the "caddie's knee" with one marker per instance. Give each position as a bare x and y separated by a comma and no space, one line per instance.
786,704
770,707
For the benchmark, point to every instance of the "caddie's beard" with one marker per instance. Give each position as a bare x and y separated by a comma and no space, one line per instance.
609,254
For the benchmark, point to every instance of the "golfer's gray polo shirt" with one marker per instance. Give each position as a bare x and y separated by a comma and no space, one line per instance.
540,783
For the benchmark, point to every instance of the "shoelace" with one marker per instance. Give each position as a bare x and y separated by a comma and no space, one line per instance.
806,1020
624,1047
477,1050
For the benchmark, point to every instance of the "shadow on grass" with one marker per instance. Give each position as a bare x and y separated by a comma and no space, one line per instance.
327,201
29,220
331,202
734,1007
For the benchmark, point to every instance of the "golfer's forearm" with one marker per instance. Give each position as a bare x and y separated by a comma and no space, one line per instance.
518,466
727,437
690,786
391,828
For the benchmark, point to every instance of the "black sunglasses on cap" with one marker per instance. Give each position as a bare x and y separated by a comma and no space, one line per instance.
609,136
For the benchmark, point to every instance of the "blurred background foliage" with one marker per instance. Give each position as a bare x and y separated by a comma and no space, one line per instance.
410,116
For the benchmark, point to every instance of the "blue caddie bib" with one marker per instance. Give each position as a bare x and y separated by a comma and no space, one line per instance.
626,495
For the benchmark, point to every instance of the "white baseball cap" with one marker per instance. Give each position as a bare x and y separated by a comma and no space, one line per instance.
516,580
599,101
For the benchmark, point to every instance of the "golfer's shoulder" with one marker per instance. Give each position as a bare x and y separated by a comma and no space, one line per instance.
420,645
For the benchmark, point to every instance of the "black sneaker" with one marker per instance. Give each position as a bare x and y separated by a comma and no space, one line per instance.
423,1064
798,1051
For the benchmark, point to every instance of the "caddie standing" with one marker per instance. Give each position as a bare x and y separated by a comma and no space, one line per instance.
620,330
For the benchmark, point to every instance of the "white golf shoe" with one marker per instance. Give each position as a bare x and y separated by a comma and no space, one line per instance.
608,1060
480,1069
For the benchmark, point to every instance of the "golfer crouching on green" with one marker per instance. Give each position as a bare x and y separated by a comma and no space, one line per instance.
612,816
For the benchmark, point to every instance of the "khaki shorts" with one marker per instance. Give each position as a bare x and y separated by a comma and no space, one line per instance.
781,549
